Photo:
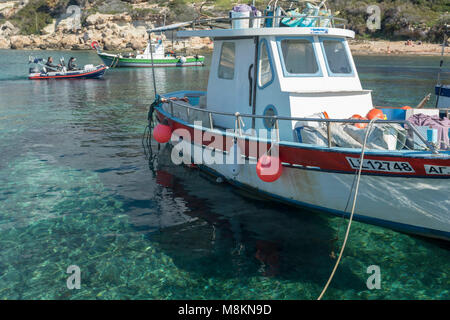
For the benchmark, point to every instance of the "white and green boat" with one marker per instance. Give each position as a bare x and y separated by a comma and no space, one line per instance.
160,58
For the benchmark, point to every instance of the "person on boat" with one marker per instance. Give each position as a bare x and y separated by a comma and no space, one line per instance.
72,65
50,64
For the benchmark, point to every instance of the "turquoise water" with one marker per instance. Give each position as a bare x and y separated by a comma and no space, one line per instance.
76,189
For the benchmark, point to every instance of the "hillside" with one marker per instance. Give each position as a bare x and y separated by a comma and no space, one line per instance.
423,20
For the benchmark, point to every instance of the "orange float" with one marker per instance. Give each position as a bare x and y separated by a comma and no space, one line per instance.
359,125
269,168
162,133
375,113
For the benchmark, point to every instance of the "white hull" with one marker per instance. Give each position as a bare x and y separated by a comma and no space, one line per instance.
387,201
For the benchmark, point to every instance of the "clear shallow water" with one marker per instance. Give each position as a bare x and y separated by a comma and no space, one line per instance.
76,188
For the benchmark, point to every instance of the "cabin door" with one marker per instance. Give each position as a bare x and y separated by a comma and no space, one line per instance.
231,80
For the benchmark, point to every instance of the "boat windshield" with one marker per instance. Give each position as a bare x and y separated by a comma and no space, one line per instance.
336,56
299,57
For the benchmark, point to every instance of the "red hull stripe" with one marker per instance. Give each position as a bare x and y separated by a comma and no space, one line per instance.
417,165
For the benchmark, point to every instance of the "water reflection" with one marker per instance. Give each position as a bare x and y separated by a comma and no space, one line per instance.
215,230
74,178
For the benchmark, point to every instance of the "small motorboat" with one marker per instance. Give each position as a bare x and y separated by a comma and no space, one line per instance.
40,71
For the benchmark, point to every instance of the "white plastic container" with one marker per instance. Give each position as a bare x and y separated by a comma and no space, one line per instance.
240,23
428,133
89,67
256,23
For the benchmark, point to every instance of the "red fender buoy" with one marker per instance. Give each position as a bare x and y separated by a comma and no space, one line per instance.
94,45
269,168
162,133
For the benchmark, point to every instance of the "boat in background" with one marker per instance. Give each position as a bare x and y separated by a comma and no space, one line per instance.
40,71
156,58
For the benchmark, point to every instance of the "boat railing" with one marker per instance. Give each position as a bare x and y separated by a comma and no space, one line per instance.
276,123
315,20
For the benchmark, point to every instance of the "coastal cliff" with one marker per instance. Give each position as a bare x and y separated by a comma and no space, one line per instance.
122,24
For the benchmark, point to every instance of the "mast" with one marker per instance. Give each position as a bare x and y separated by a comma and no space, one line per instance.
440,67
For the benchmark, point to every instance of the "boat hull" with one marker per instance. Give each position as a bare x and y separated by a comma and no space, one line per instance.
96,73
112,61
412,202
381,201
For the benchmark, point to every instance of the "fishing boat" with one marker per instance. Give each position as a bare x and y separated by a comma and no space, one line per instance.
41,71
153,54
285,117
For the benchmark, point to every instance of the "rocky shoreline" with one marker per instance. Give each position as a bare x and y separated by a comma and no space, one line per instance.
119,32
138,41
113,33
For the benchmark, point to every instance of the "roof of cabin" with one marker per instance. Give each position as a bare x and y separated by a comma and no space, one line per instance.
252,32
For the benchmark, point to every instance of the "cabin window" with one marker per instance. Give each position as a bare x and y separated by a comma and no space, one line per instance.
226,63
299,56
336,57
265,75
270,111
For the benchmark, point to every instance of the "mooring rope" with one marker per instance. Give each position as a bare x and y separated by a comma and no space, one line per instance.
361,159
151,110
114,62
147,136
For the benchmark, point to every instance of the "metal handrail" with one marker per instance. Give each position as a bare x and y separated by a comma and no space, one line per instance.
196,22
331,18
276,119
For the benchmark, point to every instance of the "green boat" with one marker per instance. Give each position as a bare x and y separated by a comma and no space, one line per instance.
160,58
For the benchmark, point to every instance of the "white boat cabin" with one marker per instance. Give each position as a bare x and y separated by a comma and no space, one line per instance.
158,50
299,72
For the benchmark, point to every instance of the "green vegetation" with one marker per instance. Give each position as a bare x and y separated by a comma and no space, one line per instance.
401,19
114,6
33,17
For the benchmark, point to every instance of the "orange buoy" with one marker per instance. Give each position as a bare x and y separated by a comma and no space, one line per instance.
359,125
269,168
375,113
94,45
406,108
162,133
